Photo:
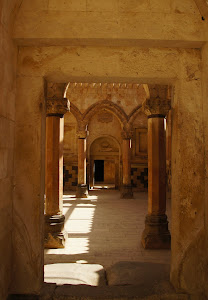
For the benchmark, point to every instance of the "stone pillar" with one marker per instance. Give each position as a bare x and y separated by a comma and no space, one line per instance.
54,219
82,189
156,234
168,152
126,190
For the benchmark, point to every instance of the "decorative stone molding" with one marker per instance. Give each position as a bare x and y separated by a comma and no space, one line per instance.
57,107
107,106
96,85
156,107
76,112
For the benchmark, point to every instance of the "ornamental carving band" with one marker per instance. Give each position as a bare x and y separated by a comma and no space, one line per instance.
156,106
57,106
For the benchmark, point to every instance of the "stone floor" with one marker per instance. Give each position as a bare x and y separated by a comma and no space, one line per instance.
105,230
103,257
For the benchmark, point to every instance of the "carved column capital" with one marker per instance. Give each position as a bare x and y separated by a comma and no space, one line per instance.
127,132
82,134
82,130
57,107
156,107
126,135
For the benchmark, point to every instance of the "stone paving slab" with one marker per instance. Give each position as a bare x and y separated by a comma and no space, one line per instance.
137,273
76,274
83,292
105,229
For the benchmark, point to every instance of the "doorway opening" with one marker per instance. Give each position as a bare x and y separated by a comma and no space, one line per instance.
99,171
104,163
96,226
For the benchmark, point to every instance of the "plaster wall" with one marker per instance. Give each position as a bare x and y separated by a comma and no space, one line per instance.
180,67
8,57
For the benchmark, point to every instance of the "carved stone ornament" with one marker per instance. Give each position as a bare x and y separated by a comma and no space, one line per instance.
126,135
82,134
156,106
57,106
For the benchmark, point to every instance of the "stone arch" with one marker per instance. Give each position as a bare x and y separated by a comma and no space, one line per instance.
109,106
76,112
103,136
134,114
111,157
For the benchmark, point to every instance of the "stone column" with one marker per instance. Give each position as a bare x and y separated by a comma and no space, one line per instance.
82,189
168,152
126,190
156,234
54,218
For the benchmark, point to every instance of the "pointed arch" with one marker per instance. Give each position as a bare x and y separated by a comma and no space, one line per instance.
134,113
108,106
76,112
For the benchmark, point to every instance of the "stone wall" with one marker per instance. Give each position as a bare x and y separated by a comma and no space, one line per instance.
118,22
132,42
8,57
180,67
106,104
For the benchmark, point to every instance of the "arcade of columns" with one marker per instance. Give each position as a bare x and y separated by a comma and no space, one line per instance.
157,107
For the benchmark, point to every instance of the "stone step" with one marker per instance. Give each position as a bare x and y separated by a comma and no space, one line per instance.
123,280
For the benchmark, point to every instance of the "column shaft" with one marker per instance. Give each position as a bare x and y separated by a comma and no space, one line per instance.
54,165
156,234
82,190
126,188
156,167
54,219
81,161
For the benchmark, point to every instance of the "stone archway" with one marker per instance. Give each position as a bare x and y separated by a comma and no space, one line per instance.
107,149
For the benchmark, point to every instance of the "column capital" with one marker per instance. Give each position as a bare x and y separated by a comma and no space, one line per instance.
126,135
57,107
82,134
156,107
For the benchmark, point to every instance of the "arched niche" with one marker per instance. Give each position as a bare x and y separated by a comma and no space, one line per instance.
104,153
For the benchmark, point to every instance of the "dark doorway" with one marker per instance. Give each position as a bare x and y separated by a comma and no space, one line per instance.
99,170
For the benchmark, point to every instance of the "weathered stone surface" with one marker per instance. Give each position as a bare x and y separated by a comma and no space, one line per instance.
135,40
57,106
8,59
137,273
126,21
156,234
82,191
55,234
75,274
156,106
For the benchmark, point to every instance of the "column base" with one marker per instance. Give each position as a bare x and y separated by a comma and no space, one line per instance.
55,235
156,234
82,191
126,192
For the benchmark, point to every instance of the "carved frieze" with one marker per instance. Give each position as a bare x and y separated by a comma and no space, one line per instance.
57,106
